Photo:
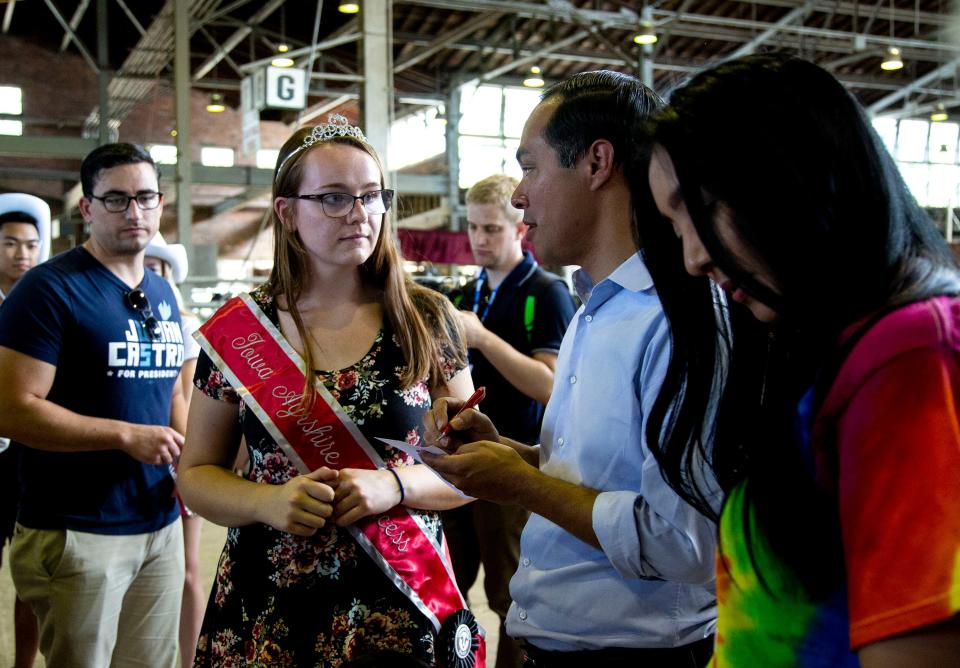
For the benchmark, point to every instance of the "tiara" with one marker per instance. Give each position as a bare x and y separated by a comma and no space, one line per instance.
337,125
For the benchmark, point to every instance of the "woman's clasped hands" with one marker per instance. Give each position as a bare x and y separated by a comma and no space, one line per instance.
307,502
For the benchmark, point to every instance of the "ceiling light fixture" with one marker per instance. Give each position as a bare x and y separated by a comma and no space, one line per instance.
216,105
282,47
647,34
349,7
892,60
534,80
939,113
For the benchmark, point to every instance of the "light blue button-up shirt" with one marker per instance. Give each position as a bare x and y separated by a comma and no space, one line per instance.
652,583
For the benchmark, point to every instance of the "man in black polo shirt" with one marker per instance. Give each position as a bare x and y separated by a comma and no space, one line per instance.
514,315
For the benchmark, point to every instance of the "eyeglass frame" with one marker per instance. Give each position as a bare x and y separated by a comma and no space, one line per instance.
150,324
130,198
319,197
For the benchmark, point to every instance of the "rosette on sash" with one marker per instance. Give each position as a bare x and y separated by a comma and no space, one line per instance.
458,640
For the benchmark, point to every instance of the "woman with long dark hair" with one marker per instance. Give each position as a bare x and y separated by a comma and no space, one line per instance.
832,365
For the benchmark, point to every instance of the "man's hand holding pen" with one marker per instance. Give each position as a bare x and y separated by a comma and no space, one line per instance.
450,423
479,465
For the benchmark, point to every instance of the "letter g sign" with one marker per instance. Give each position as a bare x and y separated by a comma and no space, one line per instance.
286,88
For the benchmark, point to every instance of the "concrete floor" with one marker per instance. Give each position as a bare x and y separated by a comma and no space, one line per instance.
211,543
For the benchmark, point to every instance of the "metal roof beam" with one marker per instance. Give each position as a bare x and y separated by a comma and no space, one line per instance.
445,40
946,70
248,68
235,39
627,20
799,13
74,22
72,35
133,19
8,16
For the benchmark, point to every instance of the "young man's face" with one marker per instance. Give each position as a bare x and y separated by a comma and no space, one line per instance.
125,232
19,249
494,238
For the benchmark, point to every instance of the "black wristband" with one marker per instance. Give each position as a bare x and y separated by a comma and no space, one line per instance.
399,484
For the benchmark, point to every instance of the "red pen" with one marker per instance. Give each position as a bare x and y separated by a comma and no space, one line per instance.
472,402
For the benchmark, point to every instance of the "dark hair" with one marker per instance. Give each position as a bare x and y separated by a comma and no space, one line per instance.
814,192
18,217
599,105
109,156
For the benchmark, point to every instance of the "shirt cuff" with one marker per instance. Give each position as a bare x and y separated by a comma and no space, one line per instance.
616,530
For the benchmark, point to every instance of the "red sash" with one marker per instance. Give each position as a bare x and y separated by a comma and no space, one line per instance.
269,376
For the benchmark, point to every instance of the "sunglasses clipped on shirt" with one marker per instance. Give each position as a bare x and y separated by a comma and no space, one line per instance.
339,205
137,299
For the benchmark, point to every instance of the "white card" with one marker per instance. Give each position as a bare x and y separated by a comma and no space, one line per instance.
414,451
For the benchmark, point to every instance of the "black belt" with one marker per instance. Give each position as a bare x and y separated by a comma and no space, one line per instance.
694,655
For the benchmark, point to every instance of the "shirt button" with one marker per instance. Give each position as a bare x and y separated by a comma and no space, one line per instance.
588,318
560,441
573,379
526,561
523,615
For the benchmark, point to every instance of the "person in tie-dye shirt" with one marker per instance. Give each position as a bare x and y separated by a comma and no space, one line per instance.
832,359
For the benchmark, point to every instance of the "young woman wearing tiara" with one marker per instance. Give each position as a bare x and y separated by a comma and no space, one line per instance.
333,551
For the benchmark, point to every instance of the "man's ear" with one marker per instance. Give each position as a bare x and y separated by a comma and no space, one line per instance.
598,161
84,205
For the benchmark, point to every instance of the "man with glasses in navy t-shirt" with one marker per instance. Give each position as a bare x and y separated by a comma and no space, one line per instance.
90,354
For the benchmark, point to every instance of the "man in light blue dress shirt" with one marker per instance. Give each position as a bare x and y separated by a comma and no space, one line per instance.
615,569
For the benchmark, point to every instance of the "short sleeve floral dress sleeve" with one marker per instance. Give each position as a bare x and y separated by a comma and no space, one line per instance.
286,600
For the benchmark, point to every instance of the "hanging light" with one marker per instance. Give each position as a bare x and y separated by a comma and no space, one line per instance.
939,113
892,60
216,105
646,35
349,7
534,80
282,61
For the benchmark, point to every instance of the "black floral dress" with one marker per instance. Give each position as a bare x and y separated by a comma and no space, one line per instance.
286,600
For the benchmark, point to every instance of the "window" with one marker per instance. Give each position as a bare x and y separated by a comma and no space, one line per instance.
415,138
926,154
943,142
11,102
490,127
267,158
164,154
886,127
213,156
912,140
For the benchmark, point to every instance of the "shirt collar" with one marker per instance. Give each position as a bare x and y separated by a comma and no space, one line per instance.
631,275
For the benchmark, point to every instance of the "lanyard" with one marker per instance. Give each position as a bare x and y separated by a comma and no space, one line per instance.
476,299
